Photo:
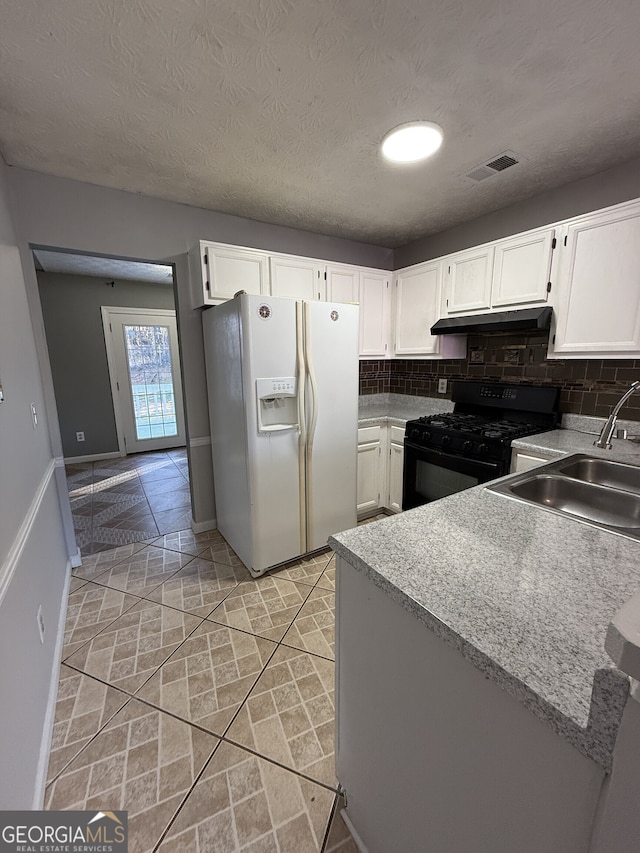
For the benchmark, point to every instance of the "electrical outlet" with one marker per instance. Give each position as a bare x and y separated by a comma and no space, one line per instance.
40,621
442,386
79,436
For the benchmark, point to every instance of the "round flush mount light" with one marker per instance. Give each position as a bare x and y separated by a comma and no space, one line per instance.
412,142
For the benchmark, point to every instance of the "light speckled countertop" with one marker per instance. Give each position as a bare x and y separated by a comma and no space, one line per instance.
397,409
524,594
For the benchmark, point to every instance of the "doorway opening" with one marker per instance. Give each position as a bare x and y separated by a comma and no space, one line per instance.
112,339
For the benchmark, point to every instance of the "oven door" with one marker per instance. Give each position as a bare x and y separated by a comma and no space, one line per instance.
430,474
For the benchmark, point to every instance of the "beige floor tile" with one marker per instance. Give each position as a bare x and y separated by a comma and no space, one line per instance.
95,564
143,761
90,609
129,650
327,579
171,520
243,802
339,839
83,706
144,571
289,714
199,587
75,584
306,570
209,676
265,607
313,629
188,542
221,552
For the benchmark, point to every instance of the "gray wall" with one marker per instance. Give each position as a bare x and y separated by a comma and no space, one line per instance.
66,214
622,183
73,324
33,552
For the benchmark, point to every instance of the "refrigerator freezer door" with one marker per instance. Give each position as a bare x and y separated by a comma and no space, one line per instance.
269,346
332,429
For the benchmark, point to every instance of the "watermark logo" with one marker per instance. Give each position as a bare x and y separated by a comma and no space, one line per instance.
63,832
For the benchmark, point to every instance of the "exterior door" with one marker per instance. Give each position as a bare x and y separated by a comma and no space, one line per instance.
144,368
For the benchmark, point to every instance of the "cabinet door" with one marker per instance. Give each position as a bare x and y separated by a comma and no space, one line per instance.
418,293
342,284
369,468
396,459
298,278
469,280
598,302
521,461
228,270
375,314
521,269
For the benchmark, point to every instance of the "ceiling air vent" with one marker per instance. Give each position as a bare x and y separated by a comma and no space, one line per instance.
492,167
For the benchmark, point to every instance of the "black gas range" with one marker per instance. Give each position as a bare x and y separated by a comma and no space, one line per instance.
452,451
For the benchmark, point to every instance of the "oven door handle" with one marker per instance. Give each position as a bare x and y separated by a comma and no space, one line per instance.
442,454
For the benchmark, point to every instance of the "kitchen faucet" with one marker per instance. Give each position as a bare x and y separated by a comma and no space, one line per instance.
604,440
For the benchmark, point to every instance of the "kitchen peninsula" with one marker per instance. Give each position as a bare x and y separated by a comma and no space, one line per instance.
477,708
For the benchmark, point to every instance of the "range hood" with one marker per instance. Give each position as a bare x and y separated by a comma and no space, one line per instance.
525,319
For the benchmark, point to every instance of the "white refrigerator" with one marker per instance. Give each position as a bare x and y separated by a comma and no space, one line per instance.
282,379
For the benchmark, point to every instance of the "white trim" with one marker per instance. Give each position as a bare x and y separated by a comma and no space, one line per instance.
111,366
50,713
91,457
356,838
203,526
76,560
8,568
202,441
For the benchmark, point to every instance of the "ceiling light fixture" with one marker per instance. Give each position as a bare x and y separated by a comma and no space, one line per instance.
411,142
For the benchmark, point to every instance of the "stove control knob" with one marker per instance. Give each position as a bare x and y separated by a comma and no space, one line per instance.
467,447
446,440
483,449
414,433
425,436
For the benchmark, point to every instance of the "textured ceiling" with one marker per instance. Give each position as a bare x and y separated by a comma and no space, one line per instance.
75,264
274,109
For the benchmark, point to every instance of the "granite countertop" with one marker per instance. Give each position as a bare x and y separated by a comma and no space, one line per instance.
397,409
559,442
524,594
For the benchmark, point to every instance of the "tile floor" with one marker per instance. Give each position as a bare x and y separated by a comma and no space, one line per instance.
119,501
193,696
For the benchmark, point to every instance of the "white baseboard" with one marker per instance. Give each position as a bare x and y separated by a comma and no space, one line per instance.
50,714
76,560
92,457
356,838
203,526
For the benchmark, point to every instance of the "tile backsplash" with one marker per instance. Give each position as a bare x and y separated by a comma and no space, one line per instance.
589,386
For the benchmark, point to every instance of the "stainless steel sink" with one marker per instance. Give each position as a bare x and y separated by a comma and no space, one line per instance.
595,491
602,472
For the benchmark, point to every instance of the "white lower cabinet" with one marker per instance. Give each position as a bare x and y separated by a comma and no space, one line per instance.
380,459
523,460
396,460
370,468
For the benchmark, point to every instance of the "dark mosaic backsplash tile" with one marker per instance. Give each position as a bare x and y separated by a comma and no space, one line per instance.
589,386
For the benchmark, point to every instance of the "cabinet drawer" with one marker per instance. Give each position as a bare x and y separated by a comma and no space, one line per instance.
396,435
369,433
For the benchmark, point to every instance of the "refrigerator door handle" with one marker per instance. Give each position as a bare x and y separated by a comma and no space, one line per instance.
313,419
302,436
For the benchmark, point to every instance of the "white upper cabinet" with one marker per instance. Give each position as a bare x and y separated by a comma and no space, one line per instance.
218,272
418,301
521,269
598,286
375,314
468,286
343,284
299,278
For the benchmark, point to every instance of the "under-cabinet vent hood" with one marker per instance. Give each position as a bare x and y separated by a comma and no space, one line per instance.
525,319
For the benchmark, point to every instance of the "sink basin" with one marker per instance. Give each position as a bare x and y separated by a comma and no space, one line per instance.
589,489
602,472
598,504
